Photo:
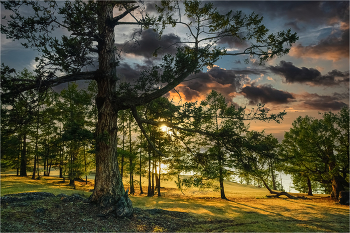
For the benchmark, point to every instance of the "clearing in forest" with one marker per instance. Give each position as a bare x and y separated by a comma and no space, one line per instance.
247,209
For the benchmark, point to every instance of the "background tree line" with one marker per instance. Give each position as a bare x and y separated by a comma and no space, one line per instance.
45,130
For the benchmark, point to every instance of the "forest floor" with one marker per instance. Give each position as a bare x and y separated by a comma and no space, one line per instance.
60,208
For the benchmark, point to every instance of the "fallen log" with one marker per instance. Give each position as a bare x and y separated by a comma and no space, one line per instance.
276,193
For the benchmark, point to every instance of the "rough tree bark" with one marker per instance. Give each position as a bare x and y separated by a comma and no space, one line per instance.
337,187
109,189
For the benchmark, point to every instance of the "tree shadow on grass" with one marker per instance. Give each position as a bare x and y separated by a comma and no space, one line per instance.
236,216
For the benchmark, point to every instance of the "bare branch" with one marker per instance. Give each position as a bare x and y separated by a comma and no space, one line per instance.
115,20
124,5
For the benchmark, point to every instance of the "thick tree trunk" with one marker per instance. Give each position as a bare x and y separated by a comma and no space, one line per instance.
109,189
337,186
23,168
309,186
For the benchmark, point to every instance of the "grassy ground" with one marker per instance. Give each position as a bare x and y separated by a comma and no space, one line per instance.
247,210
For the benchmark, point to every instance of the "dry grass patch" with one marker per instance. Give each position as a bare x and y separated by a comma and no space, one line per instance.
246,210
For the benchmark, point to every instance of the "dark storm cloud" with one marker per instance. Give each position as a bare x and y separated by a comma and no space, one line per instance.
233,42
293,74
127,74
215,74
324,102
149,43
330,48
266,94
311,12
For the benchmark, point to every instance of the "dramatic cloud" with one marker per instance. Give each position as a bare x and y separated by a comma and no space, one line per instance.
324,102
233,42
330,48
197,86
184,93
149,42
266,94
293,74
128,74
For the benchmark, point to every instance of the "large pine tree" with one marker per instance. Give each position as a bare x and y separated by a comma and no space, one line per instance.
89,29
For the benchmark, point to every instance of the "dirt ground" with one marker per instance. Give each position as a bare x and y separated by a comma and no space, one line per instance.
72,213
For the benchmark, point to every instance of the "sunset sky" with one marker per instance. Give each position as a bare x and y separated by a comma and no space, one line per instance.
312,78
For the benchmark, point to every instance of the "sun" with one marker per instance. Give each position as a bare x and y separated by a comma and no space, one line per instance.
166,129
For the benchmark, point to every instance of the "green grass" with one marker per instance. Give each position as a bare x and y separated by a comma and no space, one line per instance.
11,184
246,210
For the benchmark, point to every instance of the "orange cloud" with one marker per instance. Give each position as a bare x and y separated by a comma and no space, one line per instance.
331,48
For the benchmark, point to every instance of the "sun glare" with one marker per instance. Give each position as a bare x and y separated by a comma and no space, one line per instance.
166,129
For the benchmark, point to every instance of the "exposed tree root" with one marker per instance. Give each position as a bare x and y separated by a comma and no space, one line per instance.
121,207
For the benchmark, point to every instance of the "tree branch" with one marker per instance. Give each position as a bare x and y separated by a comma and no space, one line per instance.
40,83
115,20
126,102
